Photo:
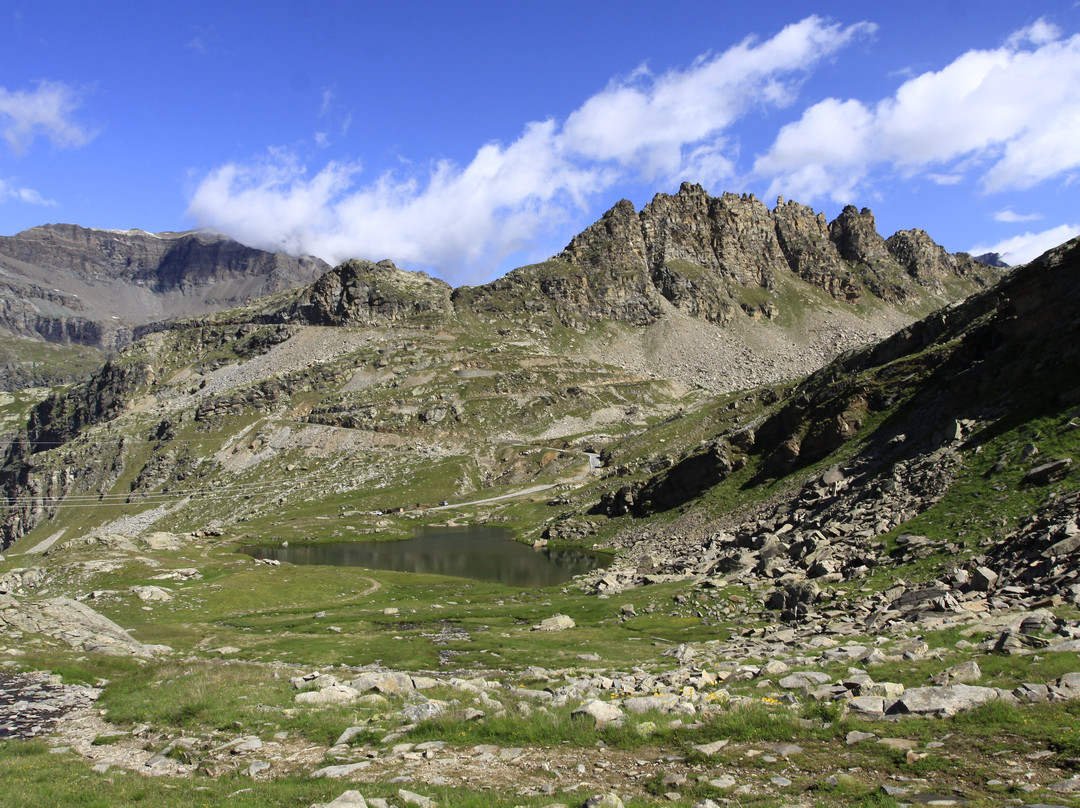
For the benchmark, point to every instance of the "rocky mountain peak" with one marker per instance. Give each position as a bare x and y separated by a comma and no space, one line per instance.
928,263
857,240
615,240
712,256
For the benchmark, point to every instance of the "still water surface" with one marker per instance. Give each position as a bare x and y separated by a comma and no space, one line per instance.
481,552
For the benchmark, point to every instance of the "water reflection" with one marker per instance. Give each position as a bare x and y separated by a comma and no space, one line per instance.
481,552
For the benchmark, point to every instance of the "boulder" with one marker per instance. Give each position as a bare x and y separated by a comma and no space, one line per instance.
601,712
664,702
349,799
152,594
804,680
710,749
76,624
336,772
558,622
943,702
983,579
966,672
426,711
335,694
163,541
609,800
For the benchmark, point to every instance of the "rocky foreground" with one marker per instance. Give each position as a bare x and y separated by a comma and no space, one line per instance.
841,654
772,671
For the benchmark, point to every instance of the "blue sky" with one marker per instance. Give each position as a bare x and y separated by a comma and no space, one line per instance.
467,138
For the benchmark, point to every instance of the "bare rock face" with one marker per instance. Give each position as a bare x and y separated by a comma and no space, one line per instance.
360,293
810,251
700,247
602,274
732,236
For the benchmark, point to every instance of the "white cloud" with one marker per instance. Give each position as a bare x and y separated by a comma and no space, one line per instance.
945,179
463,220
1021,249
646,123
327,102
45,111
455,217
1014,109
1008,215
26,195
1038,33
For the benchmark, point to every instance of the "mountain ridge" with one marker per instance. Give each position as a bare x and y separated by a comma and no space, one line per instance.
65,283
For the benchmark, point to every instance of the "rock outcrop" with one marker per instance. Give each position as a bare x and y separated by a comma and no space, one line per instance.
360,293
75,623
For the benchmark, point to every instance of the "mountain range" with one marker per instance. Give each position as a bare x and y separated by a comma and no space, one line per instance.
644,315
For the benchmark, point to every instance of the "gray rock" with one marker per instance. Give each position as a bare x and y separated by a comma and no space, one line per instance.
804,680
773,668
966,672
348,735
349,799
74,623
943,701
787,749
600,712
558,622
335,772
249,744
983,579
412,798
152,594
855,736
1070,786
1032,693
1047,472
664,702
394,683
711,748
426,711
609,800
335,694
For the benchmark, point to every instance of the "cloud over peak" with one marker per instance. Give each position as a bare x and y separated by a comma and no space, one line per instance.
461,221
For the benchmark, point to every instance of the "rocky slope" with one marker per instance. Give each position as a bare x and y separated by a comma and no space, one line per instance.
68,284
931,420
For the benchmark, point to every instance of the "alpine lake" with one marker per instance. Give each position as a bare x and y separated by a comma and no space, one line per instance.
478,551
